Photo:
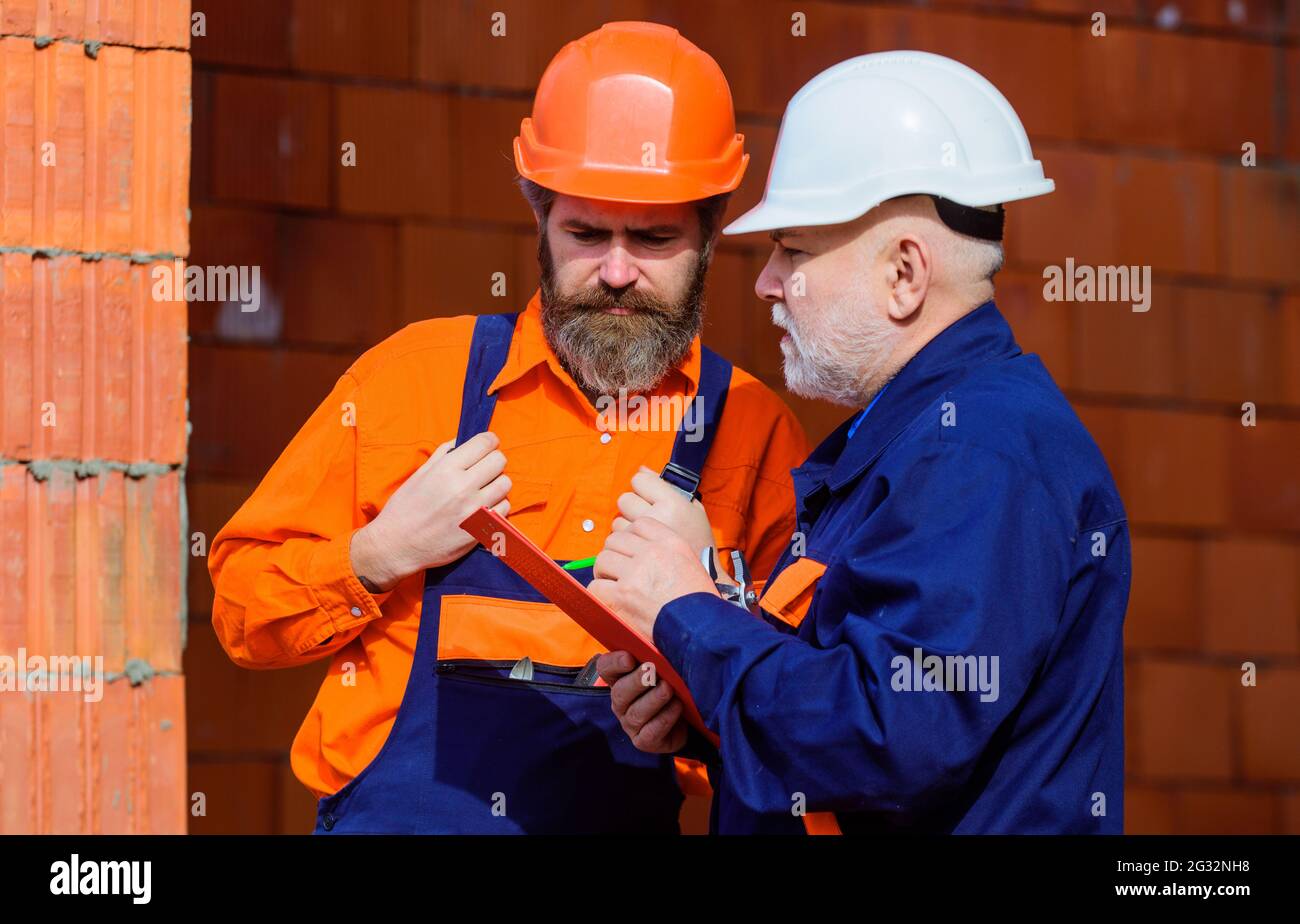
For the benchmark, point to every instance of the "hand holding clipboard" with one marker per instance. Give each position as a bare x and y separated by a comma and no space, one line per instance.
523,557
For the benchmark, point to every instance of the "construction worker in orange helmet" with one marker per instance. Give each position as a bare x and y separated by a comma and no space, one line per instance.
458,699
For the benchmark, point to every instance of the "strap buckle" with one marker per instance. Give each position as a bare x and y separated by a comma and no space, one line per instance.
682,478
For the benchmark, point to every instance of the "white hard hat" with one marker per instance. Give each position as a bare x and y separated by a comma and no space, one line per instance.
893,124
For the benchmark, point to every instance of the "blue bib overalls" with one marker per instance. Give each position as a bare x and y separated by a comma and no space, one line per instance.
472,751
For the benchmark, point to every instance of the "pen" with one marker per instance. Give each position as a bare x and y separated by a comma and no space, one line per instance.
580,563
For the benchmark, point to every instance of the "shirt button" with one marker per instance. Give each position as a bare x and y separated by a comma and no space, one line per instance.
356,611
605,437
588,526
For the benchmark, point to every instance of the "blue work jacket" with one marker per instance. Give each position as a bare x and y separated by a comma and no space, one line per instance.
960,665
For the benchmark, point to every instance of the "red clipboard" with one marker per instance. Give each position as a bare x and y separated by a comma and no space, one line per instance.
525,559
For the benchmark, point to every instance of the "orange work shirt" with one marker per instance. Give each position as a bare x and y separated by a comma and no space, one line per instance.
285,590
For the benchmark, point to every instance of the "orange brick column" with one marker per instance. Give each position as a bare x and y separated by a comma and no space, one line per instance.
94,179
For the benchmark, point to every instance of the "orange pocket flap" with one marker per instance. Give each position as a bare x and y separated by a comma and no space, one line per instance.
493,629
821,824
789,595
692,776
526,494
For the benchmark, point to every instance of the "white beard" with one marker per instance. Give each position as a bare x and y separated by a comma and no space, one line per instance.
839,359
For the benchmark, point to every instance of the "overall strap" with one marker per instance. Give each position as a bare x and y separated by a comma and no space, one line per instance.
488,351
699,424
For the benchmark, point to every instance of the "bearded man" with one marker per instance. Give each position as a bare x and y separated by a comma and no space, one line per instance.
458,699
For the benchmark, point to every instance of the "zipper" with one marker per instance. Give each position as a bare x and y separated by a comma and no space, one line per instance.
464,669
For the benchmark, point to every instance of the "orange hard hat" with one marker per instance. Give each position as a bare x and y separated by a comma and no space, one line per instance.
632,112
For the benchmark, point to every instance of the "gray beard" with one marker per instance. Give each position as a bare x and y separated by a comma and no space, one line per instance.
837,369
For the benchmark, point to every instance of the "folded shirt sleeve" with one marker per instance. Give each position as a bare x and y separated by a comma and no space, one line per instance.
281,568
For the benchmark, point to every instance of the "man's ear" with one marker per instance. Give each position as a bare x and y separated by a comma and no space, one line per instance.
909,270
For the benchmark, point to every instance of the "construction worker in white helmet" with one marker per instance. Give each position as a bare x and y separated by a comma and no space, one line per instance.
942,645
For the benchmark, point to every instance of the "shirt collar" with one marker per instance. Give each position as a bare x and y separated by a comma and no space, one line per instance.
530,349
980,337
857,421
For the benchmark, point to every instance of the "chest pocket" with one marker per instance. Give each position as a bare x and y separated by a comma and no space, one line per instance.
526,494
788,597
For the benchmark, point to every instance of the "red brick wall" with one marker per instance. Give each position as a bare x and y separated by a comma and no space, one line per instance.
94,184
1142,130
